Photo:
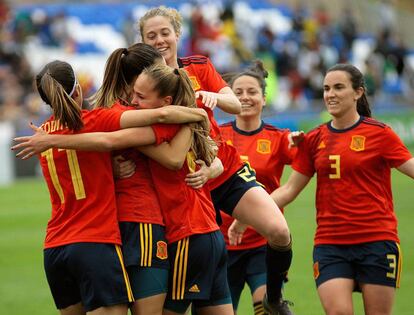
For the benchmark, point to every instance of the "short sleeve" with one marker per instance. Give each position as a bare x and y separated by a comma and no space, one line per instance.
303,161
164,133
393,149
288,154
109,119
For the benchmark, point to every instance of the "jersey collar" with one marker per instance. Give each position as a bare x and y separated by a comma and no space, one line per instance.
329,125
247,133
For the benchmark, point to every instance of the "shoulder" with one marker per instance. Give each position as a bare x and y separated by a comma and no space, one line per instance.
194,60
317,130
373,122
273,129
227,125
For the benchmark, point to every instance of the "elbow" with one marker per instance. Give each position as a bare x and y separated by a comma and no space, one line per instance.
236,107
237,110
106,145
175,165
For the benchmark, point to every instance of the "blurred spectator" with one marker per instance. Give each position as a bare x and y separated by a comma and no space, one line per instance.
297,54
130,29
348,28
229,30
372,75
387,16
4,12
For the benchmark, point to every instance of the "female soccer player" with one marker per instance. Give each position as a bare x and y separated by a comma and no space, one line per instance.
197,249
235,191
82,226
267,149
356,241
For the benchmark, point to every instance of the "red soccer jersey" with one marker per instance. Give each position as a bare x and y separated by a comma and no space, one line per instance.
186,211
81,186
267,151
353,197
204,77
136,198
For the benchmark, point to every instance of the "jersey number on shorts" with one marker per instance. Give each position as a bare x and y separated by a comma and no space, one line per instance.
246,174
392,258
336,166
74,172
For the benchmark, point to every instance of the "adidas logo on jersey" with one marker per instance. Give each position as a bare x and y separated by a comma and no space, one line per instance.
321,145
194,289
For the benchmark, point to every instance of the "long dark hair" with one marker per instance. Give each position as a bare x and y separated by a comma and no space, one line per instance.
56,83
122,68
357,80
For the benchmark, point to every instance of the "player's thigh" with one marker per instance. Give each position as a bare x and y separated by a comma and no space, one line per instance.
378,299
76,309
150,289
223,309
257,209
110,310
152,305
336,296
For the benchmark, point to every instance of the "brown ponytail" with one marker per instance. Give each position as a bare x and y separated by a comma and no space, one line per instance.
56,83
121,69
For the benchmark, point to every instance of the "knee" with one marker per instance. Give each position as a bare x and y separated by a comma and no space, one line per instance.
279,235
340,312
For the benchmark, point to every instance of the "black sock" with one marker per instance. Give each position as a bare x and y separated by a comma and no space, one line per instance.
278,260
258,308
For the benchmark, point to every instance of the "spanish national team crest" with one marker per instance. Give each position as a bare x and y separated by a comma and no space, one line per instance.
194,83
263,146
162,252
358,143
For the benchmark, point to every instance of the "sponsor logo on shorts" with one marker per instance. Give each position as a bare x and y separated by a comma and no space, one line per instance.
194,289
162,252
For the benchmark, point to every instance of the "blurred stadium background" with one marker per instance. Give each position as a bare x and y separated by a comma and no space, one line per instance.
297,40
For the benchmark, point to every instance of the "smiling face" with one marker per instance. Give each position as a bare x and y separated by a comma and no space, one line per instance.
250,95
339,95
145,96
159,33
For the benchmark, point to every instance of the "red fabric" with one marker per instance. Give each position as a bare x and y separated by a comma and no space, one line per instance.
88,217
204,77
186,211
357,207
136,198
266,149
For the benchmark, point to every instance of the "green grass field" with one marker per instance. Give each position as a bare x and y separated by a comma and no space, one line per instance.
24,211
